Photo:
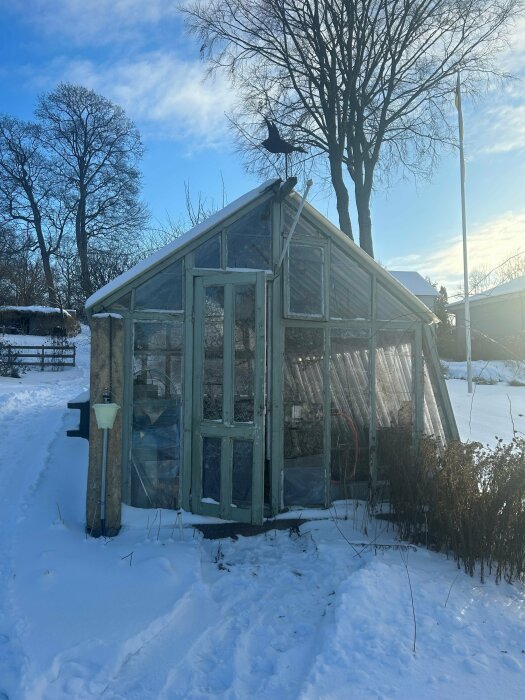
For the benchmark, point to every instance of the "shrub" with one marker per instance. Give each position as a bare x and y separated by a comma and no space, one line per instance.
467,500
59,342
10,363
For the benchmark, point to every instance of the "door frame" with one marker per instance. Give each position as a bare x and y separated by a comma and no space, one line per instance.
227,429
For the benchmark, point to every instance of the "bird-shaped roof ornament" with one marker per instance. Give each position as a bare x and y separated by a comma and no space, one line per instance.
276,144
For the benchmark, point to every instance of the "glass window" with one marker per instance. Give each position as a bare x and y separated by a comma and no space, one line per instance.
122,303
242,468
211,469
304,475
244,367
209,254
304,228
434,420
156,416
213,370
163,291
350,406
249,239
394,399
350,288
390,309
305,279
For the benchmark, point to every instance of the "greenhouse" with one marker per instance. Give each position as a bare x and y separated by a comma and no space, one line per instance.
260,362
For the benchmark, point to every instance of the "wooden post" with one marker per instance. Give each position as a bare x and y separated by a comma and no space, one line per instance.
107,340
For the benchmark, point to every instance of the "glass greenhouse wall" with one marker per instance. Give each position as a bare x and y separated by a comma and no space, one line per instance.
252,387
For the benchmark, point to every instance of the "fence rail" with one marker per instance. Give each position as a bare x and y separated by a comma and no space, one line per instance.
44,355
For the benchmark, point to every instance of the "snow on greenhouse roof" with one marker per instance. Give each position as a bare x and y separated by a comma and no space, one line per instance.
515,286
178,243
415,283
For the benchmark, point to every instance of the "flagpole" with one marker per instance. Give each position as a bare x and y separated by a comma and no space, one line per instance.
468,341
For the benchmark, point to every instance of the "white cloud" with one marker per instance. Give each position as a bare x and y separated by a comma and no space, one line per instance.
95,21
489,244
497,123
505,129
161,92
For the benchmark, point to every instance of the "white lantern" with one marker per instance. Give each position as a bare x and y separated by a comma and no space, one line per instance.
105,413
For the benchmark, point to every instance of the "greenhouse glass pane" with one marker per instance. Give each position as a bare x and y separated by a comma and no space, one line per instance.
209,254
156,335
156,418
350,406
394,399
242,469
249,239
244,359
304,228
350,288
211,469
304,475
434,421
305,278
213,370
388,308
122,303
163,291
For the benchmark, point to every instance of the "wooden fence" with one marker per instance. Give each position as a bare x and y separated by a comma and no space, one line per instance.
53,356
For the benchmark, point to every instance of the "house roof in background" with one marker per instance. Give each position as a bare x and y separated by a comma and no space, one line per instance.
415,283
514,286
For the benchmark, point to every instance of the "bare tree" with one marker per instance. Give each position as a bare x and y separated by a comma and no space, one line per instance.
29,199
95,153
366,84
484,278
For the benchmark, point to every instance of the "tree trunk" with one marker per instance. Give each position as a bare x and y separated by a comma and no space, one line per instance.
44,253
50,282
342,198
82,248
362,200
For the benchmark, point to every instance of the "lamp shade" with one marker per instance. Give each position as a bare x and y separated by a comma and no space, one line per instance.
105,413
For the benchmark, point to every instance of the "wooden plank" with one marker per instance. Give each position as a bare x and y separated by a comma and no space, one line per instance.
259,400
105,331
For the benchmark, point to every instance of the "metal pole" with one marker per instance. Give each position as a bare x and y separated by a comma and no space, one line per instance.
468,343
106,397
103,482
294,223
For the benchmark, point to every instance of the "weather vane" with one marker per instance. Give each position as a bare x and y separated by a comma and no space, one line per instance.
276,144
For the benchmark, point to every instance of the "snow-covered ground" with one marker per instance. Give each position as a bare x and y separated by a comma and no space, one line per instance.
158,612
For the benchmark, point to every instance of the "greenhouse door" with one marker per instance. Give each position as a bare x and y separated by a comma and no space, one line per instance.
228,395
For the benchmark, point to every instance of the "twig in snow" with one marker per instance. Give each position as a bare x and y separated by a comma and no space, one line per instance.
130,555
60,515
160,523
334,520
405,562
450,589
153,522
511,416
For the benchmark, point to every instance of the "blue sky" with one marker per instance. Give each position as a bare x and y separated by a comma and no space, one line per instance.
135,52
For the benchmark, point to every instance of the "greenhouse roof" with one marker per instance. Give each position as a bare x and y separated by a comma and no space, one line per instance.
236,206
167,250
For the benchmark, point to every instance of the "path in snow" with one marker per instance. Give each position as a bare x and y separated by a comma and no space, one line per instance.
31,413
282,616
